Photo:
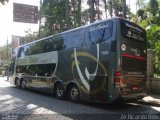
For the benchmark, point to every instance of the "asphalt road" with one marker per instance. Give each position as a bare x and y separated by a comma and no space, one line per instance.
30,105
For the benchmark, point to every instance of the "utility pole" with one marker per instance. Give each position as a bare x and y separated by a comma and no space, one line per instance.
124,8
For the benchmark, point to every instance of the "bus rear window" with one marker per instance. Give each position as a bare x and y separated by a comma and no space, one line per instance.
132,31
130,64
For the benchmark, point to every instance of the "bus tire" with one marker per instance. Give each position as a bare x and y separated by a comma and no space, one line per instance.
74,94
23,84
59,91
17,83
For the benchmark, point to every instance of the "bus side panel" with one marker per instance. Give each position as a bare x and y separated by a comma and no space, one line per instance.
88,66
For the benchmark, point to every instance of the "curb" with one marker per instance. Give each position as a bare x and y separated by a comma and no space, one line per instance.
152,100
151,103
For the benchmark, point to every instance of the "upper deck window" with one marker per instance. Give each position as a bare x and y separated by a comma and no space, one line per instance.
99,32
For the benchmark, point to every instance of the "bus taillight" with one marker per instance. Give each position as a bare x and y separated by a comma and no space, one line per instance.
135,88
117,79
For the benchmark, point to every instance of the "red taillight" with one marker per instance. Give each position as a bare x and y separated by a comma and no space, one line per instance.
117,79
117,74
135,88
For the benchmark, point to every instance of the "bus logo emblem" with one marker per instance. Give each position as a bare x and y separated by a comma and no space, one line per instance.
123,47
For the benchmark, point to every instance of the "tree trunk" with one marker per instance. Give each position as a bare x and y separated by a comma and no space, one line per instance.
67,15
92,12
124,8
105,7
115,3
79,12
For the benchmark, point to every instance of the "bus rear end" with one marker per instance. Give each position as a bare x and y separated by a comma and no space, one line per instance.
130,77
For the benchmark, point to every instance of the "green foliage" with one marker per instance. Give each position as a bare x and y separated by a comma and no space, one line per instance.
5,53
3,1
60,15
153,7
149,18
140,13
153,35
153,38
115,8
54,15
29,37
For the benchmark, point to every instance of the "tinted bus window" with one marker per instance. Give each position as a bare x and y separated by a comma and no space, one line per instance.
58,43
100,32
73,39
43,46
19,52
37,70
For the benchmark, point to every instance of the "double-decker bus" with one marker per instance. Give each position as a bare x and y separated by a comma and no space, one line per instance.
101,62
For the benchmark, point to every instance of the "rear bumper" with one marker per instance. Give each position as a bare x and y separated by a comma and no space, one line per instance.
129,98
132,97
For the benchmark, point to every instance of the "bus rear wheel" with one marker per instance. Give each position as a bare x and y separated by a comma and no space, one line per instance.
74,93
17,83
59,91
23,84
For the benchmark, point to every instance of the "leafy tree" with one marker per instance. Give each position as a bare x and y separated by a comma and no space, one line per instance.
151,23
75,13
115,8
3,1
140,4
54,16
29,37
91,9
79,12
105,7
93,13
5,53
153,7
153,36
141,13
60,15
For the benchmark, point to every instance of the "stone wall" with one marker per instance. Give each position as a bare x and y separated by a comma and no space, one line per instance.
153,84
150,69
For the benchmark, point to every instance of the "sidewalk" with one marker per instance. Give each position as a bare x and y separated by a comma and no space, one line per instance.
153,100
4,78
